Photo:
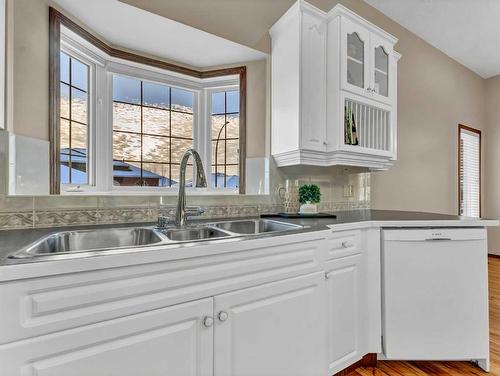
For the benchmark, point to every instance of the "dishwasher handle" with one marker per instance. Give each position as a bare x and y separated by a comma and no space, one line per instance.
437,239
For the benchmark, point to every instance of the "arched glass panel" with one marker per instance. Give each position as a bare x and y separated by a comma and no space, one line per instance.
381,71
355,60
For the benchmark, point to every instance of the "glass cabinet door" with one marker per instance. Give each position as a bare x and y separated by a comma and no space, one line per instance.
367,62
355,57
355,60
381,71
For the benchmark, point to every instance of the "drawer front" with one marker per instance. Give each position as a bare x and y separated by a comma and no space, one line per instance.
39,306
342,244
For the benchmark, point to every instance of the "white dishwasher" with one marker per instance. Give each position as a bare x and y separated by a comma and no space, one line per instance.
435,294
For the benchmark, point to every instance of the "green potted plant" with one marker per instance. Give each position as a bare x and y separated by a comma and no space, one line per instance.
309,196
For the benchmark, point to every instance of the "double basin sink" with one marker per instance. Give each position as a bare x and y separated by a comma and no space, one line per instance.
70,242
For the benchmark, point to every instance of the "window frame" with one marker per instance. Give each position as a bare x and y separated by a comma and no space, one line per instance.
209,93
467,128
105,61
75,54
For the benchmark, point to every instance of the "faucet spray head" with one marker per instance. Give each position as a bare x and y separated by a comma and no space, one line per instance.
200,179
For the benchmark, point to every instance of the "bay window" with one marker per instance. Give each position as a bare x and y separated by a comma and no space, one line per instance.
123,127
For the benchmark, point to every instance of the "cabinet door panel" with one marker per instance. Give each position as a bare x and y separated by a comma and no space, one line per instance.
274,329
168,341
313,83
343,300
355,57
381,69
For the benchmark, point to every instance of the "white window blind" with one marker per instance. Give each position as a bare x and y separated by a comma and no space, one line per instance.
470,173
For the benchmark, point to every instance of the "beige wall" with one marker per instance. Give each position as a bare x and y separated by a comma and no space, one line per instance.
257,112
28,67
491,180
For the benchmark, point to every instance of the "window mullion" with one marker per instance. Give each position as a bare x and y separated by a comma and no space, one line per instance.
104,132
70,137
201,139
225,139
142,135
170,136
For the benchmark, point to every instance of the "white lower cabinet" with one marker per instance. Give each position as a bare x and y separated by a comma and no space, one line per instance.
307,320
167,341
272,329
344,311
304,308
275,329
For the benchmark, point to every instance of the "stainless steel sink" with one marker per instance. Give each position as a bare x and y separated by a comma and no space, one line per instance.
87,242
256,226
90,240
194,233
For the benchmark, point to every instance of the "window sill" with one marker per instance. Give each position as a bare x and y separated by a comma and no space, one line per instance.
87,191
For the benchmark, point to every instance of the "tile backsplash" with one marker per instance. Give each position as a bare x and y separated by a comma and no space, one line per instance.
341,189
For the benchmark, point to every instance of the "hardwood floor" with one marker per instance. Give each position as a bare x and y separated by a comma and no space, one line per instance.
452,368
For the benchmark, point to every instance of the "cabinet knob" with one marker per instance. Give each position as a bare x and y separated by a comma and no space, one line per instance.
325,142
346,244
327,275
208,321
223,316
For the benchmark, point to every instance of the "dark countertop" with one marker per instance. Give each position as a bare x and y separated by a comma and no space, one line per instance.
12,241
351,216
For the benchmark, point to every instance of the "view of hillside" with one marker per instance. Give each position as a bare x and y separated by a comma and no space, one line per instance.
156,145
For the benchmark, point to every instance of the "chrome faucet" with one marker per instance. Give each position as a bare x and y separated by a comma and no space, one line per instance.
200,182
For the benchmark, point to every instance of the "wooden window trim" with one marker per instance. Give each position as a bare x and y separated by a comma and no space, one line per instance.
478,132
56,19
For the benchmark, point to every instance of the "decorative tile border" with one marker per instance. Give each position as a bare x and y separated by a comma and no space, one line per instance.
64,217
141,214
123,215
17,220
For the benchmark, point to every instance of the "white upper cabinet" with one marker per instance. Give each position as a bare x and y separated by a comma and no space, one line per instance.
299,81
334,89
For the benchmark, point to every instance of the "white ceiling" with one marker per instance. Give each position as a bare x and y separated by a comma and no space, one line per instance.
126,26
466,30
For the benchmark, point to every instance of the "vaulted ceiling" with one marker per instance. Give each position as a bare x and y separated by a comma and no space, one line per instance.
139,30
466,30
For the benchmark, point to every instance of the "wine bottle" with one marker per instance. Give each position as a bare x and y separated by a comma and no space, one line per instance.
347,126
354,138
